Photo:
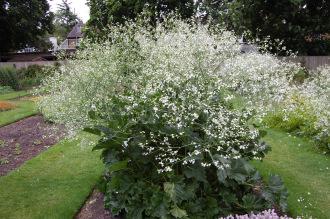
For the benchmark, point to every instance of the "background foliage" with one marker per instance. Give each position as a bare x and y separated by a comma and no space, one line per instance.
303,25
64,20
24,24
24,78
108,12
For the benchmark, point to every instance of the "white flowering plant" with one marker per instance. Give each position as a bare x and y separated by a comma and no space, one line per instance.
173,143
306,110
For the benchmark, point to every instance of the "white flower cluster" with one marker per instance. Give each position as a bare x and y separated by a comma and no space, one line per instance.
312,98
182,77
317,91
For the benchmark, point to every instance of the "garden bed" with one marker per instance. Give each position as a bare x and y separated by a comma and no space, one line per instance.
94,208
24,140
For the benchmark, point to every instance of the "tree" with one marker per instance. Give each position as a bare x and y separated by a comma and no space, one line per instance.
105,12
24,23
65,19
210,9
301,24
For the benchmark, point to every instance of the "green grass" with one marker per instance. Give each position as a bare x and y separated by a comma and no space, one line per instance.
54,184
13,95
305,172
24,108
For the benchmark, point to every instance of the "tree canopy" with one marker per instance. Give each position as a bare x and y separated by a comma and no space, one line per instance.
303,25
65,19
105,12
24,23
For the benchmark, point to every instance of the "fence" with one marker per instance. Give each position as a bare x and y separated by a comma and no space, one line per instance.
310,62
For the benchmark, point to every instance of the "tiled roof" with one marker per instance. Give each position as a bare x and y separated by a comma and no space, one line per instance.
76,31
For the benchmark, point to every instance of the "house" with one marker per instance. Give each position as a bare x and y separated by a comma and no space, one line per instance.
73,39
53,41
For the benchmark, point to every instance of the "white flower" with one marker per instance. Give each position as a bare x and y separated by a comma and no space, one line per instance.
168,169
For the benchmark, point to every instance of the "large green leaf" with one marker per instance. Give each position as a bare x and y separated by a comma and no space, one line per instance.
251,202
94,131
120,165
196,172
178,212
114,182
213,207
109,142
176,192
169,189
240,170
275,183
222,175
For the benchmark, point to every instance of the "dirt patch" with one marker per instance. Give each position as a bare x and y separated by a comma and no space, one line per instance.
94,208
25,139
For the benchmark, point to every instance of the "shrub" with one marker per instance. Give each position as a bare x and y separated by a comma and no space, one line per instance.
306,111
5,89
173,144
261,80
299,121
32,75
24,78
32,71
300,76
9,77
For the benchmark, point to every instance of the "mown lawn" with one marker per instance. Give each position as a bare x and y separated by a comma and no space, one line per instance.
24,108
54,184
13,95
305,171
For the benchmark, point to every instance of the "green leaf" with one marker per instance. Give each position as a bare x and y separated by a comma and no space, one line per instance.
275,183
251,202
92,131
110,142
136,213
196,172
114,182
158,205
262,133
222,175
240,170
92,114
267,195
120,165
169,189
228,197
176,192
213,207
178,212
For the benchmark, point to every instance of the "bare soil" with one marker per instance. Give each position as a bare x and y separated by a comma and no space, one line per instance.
25,139
94,208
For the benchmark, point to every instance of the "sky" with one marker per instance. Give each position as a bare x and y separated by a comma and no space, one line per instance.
78,6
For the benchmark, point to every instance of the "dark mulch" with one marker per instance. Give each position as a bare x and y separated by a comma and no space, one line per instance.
94,208
24,140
